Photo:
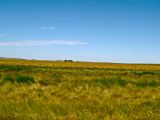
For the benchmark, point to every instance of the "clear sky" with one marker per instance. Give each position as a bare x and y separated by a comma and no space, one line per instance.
86,30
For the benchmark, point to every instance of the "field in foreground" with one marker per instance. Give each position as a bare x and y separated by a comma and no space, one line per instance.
78,91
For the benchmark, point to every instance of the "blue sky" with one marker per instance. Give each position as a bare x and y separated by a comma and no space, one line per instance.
126,31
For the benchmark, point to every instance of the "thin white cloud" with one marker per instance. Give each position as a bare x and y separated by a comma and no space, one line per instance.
48,27
3,35
41,43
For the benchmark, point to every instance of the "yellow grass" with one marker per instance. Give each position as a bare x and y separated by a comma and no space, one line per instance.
49,90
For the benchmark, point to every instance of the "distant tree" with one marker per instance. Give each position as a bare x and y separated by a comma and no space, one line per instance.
70,60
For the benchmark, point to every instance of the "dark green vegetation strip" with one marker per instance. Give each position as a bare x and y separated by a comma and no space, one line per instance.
18,79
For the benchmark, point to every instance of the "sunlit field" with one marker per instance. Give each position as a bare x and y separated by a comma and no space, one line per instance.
46,90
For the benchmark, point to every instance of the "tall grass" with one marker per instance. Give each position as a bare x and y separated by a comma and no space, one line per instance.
41,90
24,79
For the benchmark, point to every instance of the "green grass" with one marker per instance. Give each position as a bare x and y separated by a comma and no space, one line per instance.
20,79
72,93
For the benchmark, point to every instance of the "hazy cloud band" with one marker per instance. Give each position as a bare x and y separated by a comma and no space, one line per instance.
48,27
41,43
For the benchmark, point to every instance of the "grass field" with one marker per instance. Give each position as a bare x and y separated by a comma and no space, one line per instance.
41,90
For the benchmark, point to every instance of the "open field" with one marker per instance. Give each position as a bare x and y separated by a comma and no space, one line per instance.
78,91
